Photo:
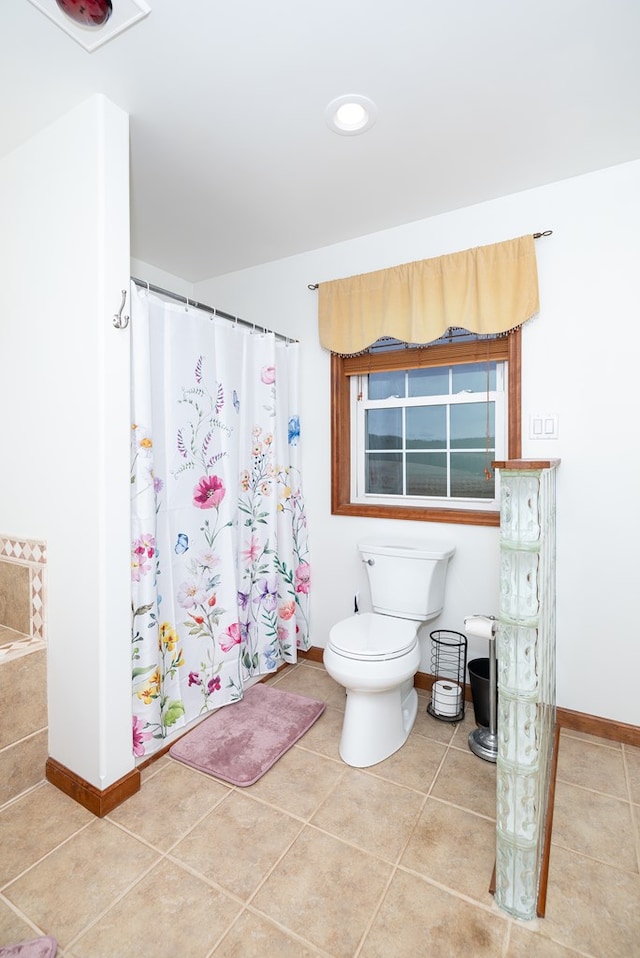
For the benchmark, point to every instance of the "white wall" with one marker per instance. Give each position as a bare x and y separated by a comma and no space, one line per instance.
64,428
160,277
578,362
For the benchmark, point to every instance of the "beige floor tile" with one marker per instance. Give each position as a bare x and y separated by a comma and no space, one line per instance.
455,848
414,765
468,781
585,737
315,683
287,670
254,937
635,815
155,766
317,886
36,825
371,813
467,725
595,825
591,906
338,698
464,728
324,891
81,878
13,929
169,913
528,944
237,843
299,782
416,918
181,794
632,762
593,766
311,663
425,724
324,734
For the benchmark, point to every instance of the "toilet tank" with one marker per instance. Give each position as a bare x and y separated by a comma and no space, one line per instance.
406,576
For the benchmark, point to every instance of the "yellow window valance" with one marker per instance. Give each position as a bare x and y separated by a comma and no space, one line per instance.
489,289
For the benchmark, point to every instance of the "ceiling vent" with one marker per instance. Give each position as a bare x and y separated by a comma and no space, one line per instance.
125,13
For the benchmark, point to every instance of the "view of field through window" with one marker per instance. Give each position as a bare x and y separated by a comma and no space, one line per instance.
431,432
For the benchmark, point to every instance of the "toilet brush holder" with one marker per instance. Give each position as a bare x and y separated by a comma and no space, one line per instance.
483,741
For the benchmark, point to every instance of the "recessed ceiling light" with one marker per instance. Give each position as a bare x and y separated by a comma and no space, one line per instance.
351,114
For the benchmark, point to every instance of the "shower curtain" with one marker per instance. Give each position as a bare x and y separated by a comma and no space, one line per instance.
219,552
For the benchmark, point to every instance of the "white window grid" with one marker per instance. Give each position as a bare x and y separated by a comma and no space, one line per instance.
360,403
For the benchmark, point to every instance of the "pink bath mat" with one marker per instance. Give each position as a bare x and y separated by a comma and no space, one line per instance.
45,947
241,741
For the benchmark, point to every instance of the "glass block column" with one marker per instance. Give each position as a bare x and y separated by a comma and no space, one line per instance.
526,678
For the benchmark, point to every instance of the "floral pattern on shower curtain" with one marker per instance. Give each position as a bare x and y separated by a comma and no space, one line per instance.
219,554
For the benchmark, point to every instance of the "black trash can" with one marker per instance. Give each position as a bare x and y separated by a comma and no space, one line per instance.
479,681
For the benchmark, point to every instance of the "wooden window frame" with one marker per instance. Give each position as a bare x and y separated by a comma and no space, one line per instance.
505,348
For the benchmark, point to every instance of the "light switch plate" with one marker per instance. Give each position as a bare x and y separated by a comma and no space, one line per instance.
543,425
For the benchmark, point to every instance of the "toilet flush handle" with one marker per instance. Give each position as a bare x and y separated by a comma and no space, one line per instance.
369,561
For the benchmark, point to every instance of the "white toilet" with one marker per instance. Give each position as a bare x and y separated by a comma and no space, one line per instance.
376,654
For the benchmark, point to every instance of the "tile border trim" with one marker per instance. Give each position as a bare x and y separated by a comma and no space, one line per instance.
31,553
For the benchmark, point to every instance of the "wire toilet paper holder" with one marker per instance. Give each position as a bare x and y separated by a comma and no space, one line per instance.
448,669
483,741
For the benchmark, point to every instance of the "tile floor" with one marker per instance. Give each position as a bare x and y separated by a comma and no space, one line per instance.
319,859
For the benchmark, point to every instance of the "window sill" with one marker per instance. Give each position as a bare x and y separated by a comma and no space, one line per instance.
468,517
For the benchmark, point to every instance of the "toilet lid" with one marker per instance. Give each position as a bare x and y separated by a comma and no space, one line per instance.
371,636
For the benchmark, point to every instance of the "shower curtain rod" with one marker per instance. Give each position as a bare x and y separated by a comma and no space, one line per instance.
209,309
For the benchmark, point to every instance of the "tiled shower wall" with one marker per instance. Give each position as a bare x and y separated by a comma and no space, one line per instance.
23,665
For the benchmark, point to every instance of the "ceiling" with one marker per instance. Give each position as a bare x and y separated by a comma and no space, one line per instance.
232,164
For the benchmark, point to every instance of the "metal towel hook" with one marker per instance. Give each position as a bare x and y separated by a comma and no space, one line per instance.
120,321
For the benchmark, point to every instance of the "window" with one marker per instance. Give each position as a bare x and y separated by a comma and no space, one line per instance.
415,430
427,433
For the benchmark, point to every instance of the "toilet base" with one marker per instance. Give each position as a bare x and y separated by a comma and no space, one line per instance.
377,724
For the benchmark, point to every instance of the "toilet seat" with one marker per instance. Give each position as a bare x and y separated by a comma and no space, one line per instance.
373,638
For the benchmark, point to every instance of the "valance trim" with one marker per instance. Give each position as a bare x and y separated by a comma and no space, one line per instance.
487,290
